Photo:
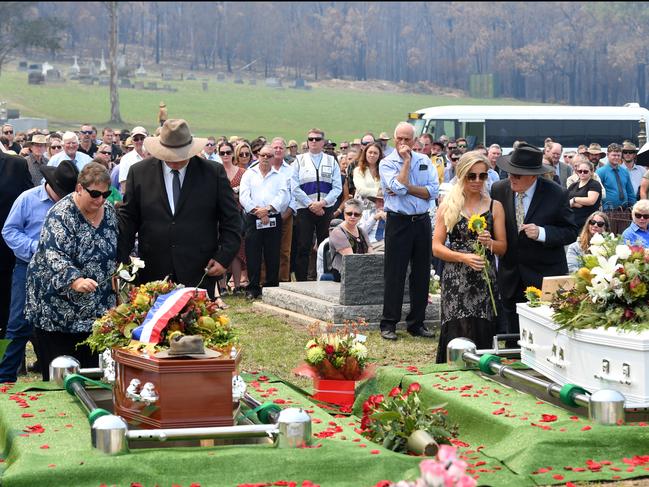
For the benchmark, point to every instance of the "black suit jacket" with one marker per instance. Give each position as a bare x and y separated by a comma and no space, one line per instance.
14,179
527,261
205,226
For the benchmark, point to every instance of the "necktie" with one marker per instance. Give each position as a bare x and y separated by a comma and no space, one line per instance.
520,209
620,188
175,188
380,230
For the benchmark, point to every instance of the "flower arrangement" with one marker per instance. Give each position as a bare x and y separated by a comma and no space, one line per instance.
446,469
199,316
434,286
477,224
391,420
611,289
533,296
337,354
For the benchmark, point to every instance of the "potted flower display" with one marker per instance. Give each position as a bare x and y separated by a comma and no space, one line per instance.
400,422
336,359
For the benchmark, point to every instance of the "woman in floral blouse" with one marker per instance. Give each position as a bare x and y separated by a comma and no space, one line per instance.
69,277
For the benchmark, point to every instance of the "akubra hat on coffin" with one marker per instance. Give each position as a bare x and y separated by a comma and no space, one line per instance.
175,142
525,160
187,346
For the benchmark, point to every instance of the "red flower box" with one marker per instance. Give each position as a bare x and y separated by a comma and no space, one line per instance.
341,392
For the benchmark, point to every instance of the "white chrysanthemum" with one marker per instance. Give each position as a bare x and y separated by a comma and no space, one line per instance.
623,252
597,239
358,350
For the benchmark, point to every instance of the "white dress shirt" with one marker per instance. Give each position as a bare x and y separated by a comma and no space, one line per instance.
169,183
256,190
126,162
80,159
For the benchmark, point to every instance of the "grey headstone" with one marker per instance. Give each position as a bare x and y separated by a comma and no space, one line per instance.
138,85
53,75
273,83
22,66
362,280
253,81
191,77
152,85
300,83
237,79
35,78
220,76
125,83
204,85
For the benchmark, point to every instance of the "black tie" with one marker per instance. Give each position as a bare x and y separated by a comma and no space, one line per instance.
620,189
175,188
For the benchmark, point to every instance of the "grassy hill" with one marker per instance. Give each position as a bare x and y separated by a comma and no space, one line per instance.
226,108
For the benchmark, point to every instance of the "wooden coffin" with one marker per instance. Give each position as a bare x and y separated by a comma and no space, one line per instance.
192,392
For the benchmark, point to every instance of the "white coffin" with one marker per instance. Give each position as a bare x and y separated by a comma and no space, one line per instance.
592,359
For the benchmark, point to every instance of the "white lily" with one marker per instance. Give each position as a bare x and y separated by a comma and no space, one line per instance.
607,267
597,250
597,239
125,275
137,263
599,288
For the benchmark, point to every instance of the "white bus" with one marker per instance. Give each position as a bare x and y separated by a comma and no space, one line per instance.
571,126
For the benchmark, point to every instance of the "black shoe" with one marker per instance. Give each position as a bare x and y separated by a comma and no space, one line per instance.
421,331
253,296
388,335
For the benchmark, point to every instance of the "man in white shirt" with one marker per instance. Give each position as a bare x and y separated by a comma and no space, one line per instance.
70,152
373,222
264,195
138,134
279,163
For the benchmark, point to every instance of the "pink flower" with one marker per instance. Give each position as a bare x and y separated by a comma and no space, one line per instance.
432,472
457,469
446,454
466,481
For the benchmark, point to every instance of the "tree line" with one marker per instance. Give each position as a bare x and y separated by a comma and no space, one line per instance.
583,53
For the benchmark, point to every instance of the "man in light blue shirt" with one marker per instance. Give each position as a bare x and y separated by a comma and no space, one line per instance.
316,186
70,152
21,232
616,180
409,183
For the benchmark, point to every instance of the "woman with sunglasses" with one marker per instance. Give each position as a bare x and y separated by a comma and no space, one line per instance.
596,222
54,146
348,237
636,233
243,155
69,277
238,265
585,194
466,307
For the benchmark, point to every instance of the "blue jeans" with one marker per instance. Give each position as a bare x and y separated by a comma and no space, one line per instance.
18,329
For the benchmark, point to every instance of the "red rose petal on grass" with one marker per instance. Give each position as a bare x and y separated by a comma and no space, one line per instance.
557,476
26,415
316,420
548,418
44,447
574,418
570,484
195,484
375,452
263,378
52,465
363,445
279,401
42,410
498,412
586,428
356,440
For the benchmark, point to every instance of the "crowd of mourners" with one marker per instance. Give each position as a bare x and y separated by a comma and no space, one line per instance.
239,215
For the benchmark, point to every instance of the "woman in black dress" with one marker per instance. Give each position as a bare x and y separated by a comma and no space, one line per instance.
585,194
466,306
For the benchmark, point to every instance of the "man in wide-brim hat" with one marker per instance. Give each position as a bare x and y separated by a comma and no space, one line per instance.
595,154
21,232
182,208
538,221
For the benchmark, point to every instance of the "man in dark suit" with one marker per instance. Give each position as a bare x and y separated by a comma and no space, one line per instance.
14,179
183,210
539,223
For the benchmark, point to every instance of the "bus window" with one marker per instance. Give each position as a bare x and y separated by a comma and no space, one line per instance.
419,124
450,128
475,132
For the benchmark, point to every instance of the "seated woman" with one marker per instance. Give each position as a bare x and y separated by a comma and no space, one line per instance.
597,222
348,238
69,277
585,194
637,233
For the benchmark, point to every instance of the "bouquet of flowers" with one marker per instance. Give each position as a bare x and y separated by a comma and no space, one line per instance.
611,289
533,296
390,421
477,224
199,316
336,354
446,469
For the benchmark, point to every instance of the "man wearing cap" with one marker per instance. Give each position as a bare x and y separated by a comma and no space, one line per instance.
539,223
409,184
183,210
21,232
87,141
595,154
629,151
37,158
70,152
316,187
138,134
616,180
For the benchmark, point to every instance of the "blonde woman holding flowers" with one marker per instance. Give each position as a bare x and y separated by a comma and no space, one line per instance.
474,225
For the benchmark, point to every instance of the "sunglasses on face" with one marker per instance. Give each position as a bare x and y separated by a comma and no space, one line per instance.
106,152
138,138
455,158
86,132
343,147
641,216
94,194
595,222
265,156
583,171
353,213
7,132
472,176
210,144
462,146
55,147
314,139
244,154
628,152
225,152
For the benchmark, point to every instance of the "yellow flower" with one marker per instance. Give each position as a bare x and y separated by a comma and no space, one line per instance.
223,320
532,291
477,223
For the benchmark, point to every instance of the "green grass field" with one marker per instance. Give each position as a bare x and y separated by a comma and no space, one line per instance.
226,109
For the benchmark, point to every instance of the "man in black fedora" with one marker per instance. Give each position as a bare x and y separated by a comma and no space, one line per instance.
21,232
183,210
539,223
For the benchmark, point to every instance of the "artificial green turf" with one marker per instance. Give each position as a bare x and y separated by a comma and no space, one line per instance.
226,108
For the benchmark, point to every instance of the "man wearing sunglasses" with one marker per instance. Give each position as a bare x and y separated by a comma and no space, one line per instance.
86,141
629,151
409,184
209,152
70,152
9,132
138,134
316,186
